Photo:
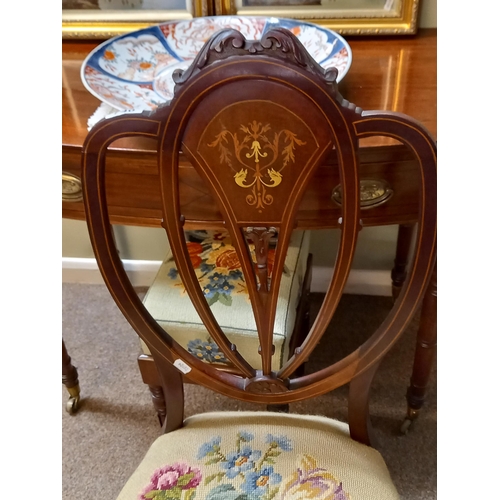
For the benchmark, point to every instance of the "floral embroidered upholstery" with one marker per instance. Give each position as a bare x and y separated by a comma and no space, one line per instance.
221,279
260,455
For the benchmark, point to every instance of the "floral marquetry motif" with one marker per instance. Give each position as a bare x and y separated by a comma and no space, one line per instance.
256,151
263,151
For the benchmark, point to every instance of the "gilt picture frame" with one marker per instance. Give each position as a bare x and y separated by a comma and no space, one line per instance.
103,19
346,17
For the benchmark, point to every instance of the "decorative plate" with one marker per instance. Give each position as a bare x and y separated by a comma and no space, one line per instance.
133,72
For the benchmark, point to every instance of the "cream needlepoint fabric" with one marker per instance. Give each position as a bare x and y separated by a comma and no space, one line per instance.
260,456
221,279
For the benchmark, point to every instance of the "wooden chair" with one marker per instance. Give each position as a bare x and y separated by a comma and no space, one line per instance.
273,92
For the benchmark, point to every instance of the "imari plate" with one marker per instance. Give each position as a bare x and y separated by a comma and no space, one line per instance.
133,72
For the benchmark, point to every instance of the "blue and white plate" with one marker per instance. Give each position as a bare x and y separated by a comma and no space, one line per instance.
133,72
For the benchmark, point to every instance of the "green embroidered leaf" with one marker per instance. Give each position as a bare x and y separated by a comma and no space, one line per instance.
174,494
273,453
189,494
212,461
226,492
270,461
212,300
271,493
183,480
225,299
219,476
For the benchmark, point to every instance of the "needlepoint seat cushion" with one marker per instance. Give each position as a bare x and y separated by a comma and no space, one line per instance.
260,455
221,279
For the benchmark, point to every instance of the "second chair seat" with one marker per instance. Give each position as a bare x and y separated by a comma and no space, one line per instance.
221,278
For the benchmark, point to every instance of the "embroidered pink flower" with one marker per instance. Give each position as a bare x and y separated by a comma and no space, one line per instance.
174,478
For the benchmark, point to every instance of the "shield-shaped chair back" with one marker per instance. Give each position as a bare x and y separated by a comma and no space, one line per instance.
256,119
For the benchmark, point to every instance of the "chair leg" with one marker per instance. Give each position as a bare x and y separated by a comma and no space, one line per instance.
360,426
70,380
151,378
158,402
398,273
425,353
173,394
279,408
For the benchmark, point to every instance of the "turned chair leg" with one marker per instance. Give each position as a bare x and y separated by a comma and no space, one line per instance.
70,380
169,397
158,402
398,273
425,354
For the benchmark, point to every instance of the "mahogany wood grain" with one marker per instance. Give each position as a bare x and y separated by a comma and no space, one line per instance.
232,82
387,73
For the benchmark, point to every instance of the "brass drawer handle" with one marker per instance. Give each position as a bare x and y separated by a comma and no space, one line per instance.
373,193
71,187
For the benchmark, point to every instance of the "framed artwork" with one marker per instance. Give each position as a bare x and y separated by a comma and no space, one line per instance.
348,17
102,19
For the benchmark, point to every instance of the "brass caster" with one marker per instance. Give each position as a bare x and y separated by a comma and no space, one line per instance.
410,418
73,402
406,426
72,405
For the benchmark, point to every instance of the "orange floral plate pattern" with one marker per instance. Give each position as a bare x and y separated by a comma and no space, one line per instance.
133,72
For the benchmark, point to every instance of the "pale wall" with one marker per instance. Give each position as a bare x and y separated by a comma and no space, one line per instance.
376,244
428,14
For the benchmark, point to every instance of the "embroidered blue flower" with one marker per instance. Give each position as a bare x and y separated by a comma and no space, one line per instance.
210,448
258,482
173,273
218,284
279,441
245,436
236,274
240,462
205,268
207,351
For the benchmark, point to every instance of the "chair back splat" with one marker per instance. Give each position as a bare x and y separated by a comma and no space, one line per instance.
256,119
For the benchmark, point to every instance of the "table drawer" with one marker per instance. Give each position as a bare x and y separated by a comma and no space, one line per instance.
134,197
